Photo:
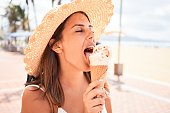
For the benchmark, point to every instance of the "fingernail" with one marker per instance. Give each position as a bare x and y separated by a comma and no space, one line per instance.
101,80
107,93
101,88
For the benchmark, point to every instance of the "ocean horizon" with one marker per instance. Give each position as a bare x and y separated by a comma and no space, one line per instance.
133,41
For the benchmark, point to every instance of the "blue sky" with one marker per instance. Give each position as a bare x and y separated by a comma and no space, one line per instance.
147,19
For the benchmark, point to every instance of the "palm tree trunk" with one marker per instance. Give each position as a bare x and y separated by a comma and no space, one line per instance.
59,2
27,17
35,15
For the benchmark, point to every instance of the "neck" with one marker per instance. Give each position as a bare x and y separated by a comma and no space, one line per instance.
71,76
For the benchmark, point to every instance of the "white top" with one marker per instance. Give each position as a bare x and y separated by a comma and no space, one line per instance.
60,110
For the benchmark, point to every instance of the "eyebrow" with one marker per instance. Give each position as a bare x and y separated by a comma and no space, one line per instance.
80,25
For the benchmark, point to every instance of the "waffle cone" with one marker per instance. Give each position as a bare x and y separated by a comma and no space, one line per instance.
98,72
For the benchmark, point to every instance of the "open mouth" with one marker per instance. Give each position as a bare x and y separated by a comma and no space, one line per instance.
88,51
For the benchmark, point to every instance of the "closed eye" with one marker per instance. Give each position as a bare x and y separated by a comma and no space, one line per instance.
79,31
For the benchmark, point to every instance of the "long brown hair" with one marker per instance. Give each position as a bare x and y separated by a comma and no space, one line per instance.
49,71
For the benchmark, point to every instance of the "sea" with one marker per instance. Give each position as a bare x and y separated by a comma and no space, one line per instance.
133,41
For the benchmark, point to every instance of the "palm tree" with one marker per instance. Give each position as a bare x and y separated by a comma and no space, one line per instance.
23,18
16,14
35,15
59,2
12,17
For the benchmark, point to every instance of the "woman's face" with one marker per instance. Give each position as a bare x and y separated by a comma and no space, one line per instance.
77,36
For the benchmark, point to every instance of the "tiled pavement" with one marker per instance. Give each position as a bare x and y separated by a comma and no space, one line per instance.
10,96
11,81
134,96
131,95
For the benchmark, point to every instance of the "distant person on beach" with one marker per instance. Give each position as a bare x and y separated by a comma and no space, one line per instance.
58,67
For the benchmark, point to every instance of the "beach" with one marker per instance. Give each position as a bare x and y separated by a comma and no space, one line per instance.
144,61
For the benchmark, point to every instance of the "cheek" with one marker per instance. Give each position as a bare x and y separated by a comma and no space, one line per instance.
73,49
73,46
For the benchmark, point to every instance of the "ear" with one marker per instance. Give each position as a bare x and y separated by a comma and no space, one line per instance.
57,47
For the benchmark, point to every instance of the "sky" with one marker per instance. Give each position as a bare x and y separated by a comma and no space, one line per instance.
146,19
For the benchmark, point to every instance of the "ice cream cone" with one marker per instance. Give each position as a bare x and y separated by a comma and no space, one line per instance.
98,72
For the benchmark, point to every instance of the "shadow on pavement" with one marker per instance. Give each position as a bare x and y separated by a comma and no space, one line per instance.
9,97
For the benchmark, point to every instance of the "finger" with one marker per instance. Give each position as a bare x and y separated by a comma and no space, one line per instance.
97,109
96,92
92,85
106,86
98,101
107,89
107,94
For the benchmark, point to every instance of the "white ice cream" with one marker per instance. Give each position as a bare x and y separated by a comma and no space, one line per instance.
100,56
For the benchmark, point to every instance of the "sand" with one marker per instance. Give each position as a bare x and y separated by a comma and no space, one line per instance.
147,62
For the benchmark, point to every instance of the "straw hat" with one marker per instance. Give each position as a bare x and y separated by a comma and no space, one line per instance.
98,11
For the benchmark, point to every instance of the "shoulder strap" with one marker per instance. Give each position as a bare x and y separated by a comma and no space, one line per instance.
34,87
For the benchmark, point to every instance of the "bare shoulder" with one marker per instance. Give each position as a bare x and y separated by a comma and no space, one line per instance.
34,102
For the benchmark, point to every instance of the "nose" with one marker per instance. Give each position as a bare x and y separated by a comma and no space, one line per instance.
91,36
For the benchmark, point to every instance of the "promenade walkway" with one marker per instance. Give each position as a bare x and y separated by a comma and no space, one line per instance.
130,95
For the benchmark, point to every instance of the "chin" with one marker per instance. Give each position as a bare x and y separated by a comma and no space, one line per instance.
87,69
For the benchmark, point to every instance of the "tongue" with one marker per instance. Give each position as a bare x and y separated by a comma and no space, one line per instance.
87,54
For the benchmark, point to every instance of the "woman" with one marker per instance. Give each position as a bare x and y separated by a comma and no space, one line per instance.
57,60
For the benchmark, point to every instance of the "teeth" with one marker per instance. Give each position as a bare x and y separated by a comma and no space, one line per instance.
89,49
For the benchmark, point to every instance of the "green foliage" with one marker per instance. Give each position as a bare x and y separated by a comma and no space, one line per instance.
15,14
